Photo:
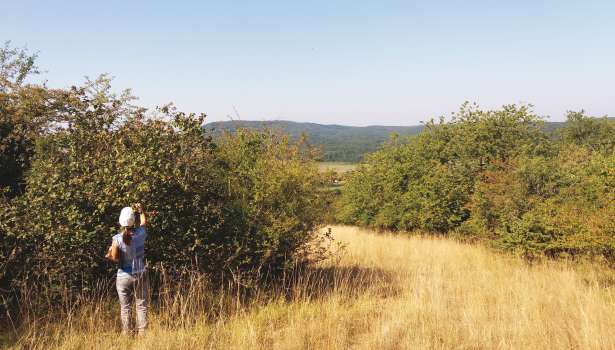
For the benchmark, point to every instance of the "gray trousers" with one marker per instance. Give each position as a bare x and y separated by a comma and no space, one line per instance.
129,288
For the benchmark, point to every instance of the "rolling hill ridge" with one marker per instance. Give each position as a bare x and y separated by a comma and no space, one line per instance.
339,143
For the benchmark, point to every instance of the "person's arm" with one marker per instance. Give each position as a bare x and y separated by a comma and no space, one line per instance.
142,217
113,254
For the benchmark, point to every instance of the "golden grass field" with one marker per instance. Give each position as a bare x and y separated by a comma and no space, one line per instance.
338,167
384,291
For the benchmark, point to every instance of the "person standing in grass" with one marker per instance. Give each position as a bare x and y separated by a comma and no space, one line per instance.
127,249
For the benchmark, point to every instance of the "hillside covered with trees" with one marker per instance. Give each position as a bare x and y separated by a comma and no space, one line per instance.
338,143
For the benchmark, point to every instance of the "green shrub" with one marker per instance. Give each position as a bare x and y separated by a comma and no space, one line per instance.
425,182
495,176
252,201
559,206
247,203
274,196
597,134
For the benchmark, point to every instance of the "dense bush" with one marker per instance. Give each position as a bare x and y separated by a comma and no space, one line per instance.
426,181
275,198
251,201
555,206
25,111
248,202
497,176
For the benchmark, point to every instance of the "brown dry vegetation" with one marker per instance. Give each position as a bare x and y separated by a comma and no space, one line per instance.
384,292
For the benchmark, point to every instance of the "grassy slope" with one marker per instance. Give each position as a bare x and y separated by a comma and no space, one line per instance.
388,292
338,167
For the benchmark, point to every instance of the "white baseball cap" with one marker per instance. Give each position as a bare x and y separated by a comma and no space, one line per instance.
127,217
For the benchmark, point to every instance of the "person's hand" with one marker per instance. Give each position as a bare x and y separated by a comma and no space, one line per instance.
137,207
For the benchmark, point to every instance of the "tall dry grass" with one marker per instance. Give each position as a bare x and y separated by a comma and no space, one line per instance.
384,292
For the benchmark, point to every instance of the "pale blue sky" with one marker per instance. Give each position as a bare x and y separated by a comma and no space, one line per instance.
344,62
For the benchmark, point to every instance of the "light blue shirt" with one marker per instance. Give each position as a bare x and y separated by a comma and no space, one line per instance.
132,257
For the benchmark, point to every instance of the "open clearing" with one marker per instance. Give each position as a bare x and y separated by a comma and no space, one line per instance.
338,167
402,292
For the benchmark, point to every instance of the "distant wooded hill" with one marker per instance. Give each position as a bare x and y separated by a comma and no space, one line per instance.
339,143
